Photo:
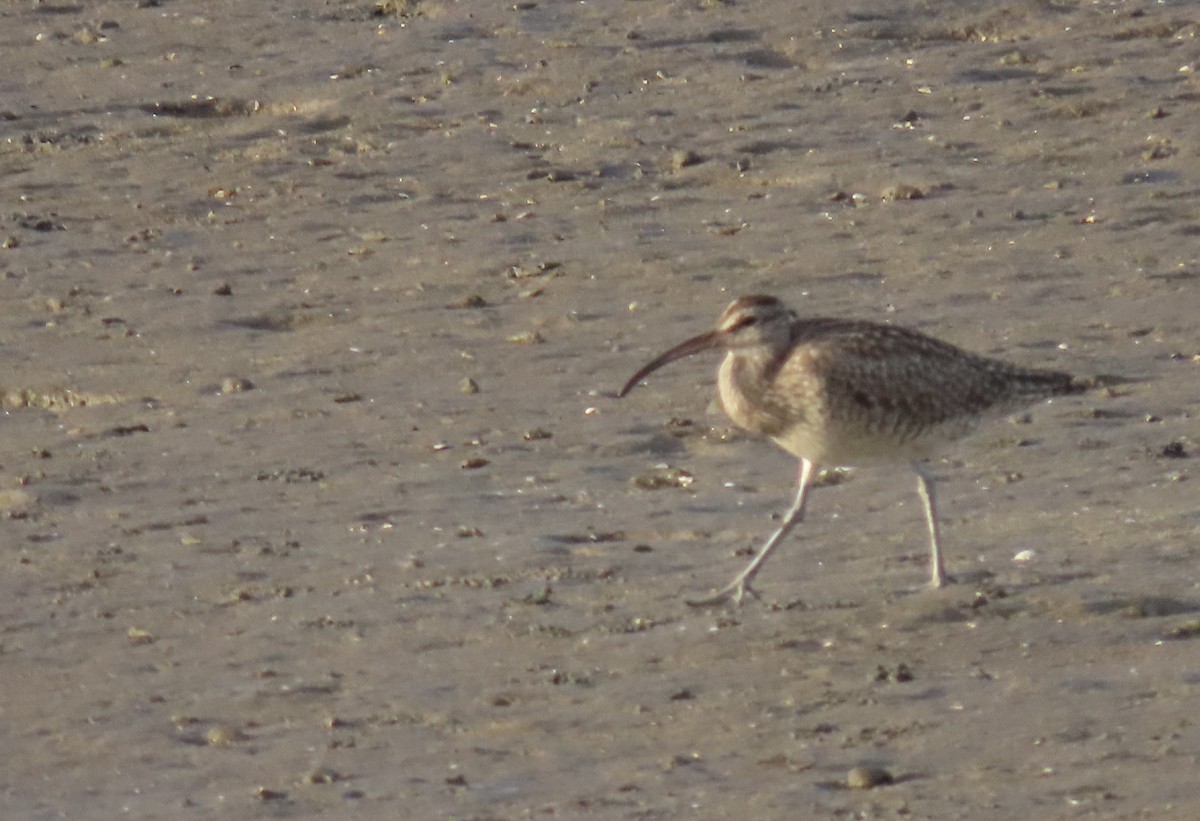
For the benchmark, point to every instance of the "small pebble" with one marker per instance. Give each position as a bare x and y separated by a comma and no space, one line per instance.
236,384
267,794
683,159
468,386
665,477
321,775
864,778
1188,630
222,735
902,192
526,338
470,301
139,636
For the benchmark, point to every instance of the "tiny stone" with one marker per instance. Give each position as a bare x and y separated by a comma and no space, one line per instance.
224,289
87,36
468,386
469,301
894,193
267,794
864,778
1189,629
683,159
527,338
1015,58
139,636
321,776
221,735
236,384
668,477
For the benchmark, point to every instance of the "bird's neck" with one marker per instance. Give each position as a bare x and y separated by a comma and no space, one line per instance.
744,378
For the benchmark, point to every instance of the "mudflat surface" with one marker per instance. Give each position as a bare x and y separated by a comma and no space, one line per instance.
317,500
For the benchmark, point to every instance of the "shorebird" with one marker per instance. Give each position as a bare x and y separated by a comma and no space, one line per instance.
844,392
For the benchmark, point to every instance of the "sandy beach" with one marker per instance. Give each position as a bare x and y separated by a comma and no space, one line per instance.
317,499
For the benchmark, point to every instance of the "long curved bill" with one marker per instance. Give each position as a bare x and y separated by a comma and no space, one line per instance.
696,344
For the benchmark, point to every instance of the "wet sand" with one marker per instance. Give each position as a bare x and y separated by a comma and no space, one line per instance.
317,499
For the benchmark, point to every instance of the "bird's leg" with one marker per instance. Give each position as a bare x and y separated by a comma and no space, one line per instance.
925,490
737,588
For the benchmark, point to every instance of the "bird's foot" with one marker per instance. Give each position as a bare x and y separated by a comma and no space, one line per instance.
940,581
735,591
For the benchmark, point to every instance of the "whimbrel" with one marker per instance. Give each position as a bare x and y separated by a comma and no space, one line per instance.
841,392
